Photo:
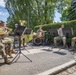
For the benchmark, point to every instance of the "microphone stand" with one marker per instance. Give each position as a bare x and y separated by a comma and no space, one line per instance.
19,52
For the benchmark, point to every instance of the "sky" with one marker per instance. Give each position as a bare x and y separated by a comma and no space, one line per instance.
57,17
4,13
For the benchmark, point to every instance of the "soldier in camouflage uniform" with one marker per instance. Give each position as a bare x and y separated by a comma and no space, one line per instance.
73,42
3,53
8,41
60,37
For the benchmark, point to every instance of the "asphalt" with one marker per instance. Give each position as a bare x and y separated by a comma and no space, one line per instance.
73,73
42,61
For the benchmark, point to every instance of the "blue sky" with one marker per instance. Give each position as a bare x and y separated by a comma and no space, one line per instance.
57,17
4,13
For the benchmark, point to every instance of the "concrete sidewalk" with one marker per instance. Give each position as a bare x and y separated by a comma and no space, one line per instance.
73,73
60,69
42,61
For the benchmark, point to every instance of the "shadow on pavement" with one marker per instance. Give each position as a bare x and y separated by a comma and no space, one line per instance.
46,50
61,53
21,62
2,64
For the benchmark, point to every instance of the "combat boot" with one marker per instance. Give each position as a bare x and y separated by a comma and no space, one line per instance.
55,45
10,54
13,51
72,48
6,60
63,47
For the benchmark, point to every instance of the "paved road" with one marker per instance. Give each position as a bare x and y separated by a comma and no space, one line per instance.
73,73
42,60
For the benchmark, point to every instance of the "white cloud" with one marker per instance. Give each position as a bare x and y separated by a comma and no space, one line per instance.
2,3
0,13
3,14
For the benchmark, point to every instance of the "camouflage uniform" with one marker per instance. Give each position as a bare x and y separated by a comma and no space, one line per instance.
3,53
39,33
8,46
73,43
7,41
60,37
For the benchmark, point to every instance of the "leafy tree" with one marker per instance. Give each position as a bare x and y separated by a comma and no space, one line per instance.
35,12
65,14
72,10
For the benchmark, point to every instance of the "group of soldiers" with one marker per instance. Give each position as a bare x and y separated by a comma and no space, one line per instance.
6,46
5,41
59,37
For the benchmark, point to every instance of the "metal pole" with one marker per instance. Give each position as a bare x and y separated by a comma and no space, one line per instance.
28,16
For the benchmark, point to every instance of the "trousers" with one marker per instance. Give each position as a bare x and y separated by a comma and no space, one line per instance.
63,38
73,41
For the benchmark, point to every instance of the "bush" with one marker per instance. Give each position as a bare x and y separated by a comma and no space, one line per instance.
67,24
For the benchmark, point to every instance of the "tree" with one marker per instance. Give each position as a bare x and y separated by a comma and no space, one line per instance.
35,12
65,14
72,10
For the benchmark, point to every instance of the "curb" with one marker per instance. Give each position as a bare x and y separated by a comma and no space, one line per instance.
59,68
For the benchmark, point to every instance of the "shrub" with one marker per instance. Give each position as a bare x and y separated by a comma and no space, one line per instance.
67,24
57,25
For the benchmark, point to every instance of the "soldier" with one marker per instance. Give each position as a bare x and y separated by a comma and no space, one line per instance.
40,32
60,37
73,41
2,51
15,36
6,40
